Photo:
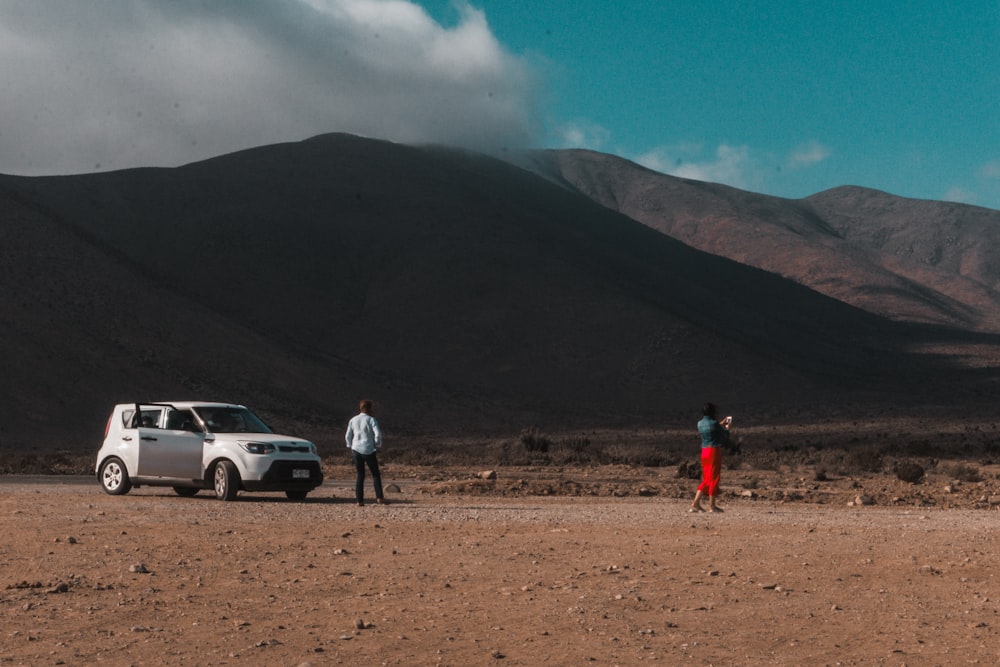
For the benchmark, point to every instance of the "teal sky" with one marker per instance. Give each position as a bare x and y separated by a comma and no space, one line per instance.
777,96
785,97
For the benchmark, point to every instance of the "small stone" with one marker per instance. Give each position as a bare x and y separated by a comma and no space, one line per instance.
360,624
487,474
71,539
138,568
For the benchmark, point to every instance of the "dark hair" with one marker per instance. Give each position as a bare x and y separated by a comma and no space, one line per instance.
708,410
366,406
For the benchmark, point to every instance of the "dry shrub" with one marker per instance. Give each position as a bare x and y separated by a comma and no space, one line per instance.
910,472
535,441
862,460
963,472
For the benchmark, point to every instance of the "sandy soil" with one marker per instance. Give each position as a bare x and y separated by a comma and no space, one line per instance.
447,577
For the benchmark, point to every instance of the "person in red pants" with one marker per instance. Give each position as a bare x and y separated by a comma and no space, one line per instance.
713,436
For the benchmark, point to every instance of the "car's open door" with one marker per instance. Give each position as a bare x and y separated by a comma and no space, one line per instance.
165,449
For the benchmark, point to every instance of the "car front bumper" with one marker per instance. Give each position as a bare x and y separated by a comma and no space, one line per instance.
286,475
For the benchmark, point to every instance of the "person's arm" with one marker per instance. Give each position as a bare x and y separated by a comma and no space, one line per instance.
349,437
377,432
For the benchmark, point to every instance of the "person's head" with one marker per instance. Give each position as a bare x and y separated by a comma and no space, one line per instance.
708,410
366,406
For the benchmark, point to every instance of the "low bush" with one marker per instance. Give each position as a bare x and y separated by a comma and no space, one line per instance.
963,472
910,472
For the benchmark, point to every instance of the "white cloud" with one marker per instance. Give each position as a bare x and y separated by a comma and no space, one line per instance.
808,154
122,83
960,195
581,133
731,165
990,170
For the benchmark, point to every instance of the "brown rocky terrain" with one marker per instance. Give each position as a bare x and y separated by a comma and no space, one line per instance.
459,570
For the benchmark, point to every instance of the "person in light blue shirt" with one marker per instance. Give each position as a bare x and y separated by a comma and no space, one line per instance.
364,438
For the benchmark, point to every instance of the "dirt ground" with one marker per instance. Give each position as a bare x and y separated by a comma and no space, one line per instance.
569,567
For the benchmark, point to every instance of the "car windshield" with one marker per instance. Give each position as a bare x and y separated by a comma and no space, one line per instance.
231,420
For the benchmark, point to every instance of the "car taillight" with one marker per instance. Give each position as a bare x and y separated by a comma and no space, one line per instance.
107,427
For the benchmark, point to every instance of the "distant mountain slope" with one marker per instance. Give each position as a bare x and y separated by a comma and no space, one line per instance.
460,291
909,260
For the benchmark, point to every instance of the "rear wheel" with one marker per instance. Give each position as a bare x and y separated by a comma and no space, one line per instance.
186,491
296,495
227,480
114,477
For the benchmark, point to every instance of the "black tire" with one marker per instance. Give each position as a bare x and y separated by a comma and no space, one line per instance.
186,491
296,495
226,480
114,477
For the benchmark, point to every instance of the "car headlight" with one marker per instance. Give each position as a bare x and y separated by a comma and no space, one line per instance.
258,447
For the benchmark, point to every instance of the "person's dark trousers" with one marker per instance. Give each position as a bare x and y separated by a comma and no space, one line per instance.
371,460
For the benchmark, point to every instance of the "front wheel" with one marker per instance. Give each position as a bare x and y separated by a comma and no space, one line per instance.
227,480
114,477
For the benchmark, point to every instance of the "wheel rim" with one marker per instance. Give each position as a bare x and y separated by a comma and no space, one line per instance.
220,481
112,476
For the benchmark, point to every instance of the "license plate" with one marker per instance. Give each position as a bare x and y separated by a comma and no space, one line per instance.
298,473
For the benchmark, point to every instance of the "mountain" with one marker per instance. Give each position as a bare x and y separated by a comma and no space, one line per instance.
462,292
904,259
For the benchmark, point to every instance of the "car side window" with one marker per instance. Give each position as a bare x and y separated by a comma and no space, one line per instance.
181,420
148,418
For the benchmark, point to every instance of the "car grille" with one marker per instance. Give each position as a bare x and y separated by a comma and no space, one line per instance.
302,449
281,471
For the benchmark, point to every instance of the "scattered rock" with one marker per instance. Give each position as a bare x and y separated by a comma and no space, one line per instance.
138,568
487,474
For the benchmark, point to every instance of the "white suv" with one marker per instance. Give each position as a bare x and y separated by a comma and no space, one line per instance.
192,445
